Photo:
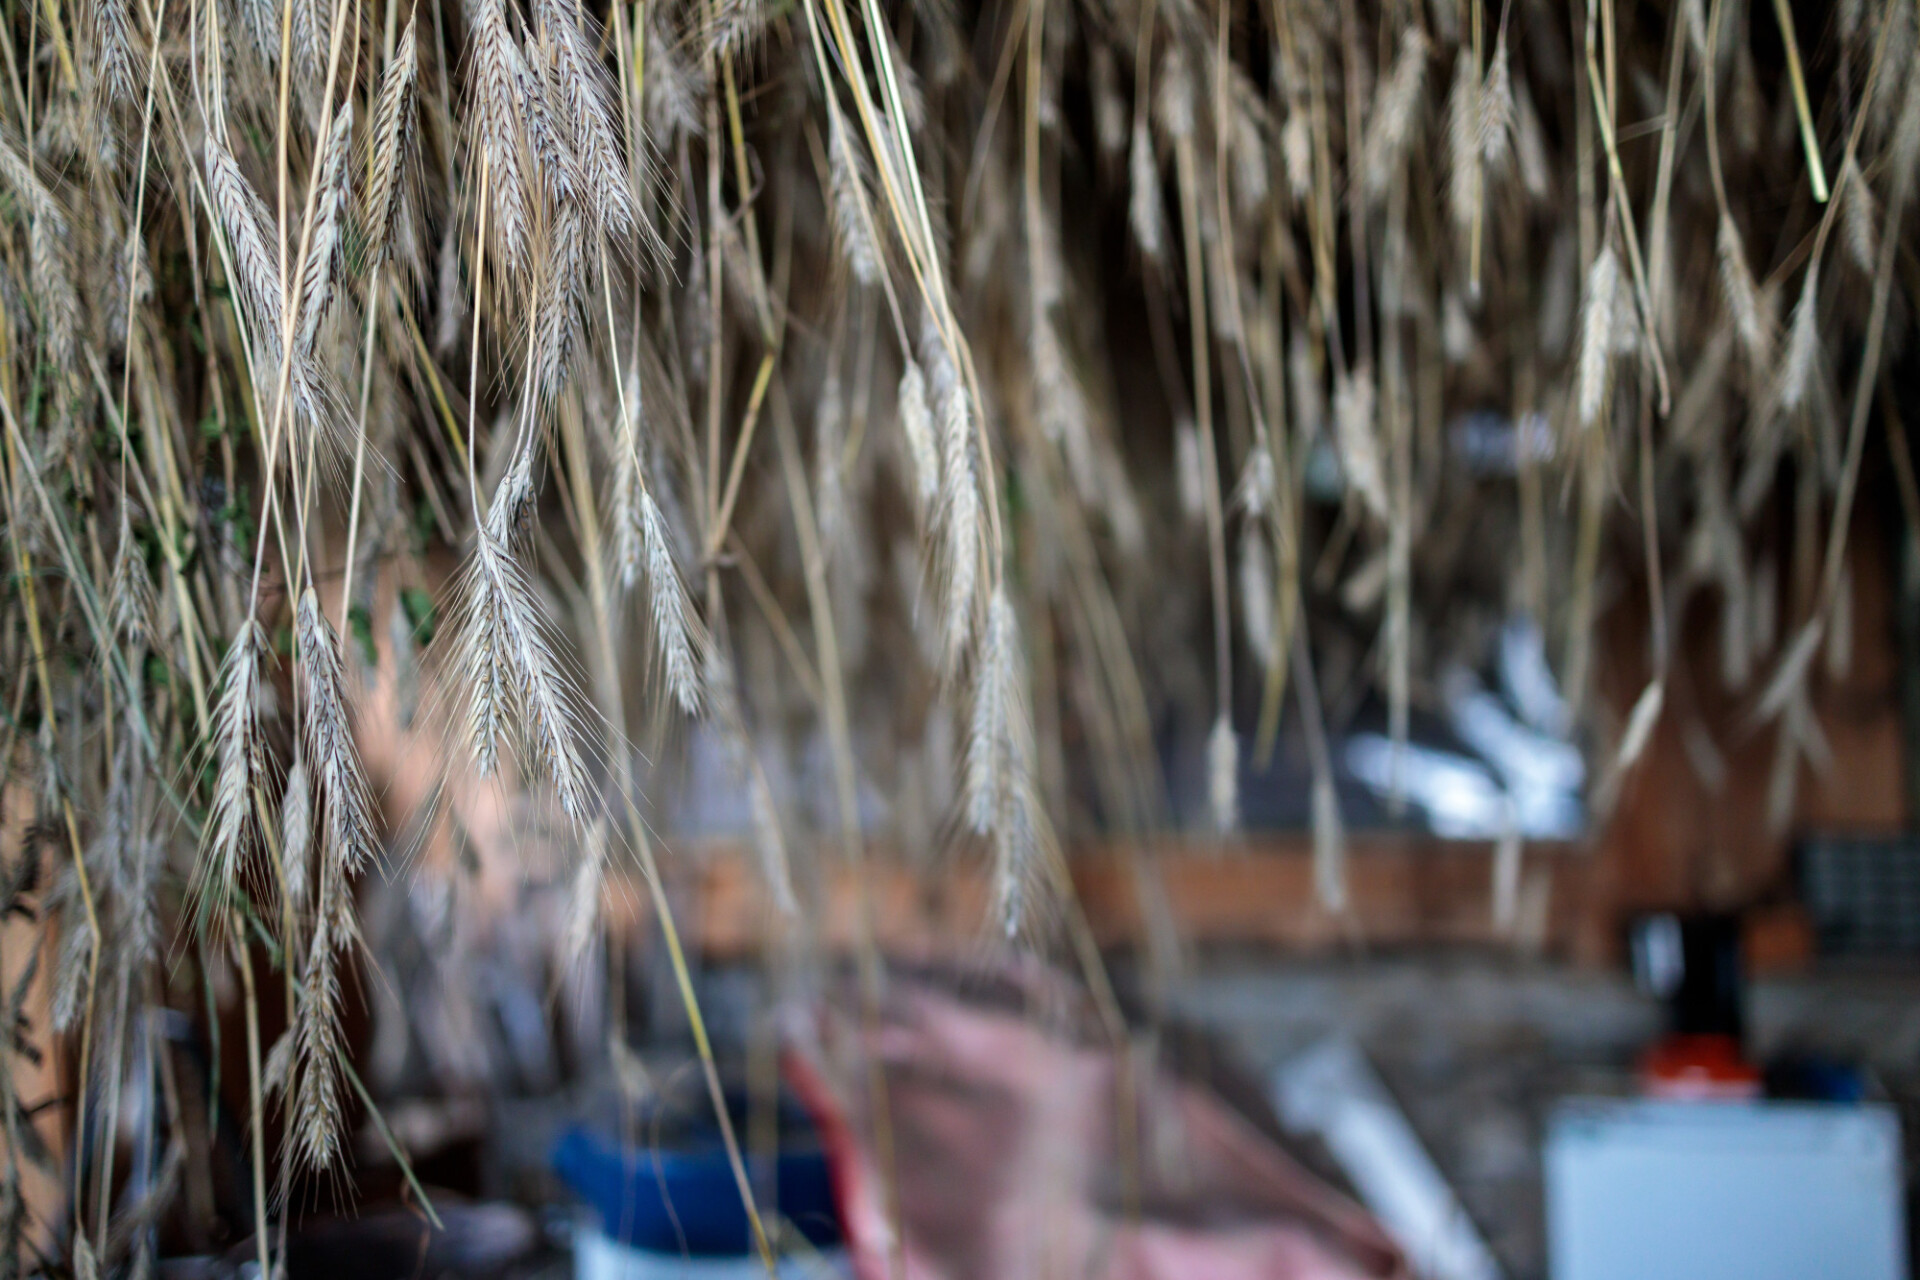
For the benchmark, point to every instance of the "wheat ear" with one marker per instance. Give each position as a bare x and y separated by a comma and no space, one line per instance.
1593,374
329,740
1803,344
238,755
916,424
848,184
324,245
672,613
1395,112
390,143
512,672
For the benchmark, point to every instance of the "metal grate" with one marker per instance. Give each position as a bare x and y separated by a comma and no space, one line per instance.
1863,894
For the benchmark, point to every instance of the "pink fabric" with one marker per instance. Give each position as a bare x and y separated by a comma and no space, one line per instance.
1008,1151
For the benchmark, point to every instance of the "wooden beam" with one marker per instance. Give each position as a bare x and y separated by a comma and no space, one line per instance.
1405,891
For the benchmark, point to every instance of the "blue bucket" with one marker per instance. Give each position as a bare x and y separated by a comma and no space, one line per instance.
683,1200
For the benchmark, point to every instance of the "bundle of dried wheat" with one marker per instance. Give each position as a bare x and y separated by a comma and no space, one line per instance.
931,379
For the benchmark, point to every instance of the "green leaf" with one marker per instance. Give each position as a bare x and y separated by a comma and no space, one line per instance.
420,613
361,622
424,524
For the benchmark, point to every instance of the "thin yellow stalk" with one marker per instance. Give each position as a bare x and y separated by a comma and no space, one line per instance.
1660,248
1479,170
256,1099
1890,245
716,312
743,184
60,46
1184,165
840,743
620,754
762,378
1853,142
1603,113
292,297
1809,139
366,385
916,234
769,606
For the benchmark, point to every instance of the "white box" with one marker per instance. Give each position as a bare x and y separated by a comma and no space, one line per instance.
597,1257
1724,1191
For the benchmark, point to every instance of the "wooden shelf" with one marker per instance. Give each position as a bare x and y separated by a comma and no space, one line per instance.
1404,892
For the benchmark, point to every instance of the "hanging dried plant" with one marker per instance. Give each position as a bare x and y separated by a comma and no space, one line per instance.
557,291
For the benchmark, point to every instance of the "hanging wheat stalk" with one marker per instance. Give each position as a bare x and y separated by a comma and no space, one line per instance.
301,303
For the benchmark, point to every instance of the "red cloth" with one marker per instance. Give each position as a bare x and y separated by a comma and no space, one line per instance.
1010,1159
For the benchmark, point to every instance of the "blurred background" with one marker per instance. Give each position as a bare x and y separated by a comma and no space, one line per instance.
1410,767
